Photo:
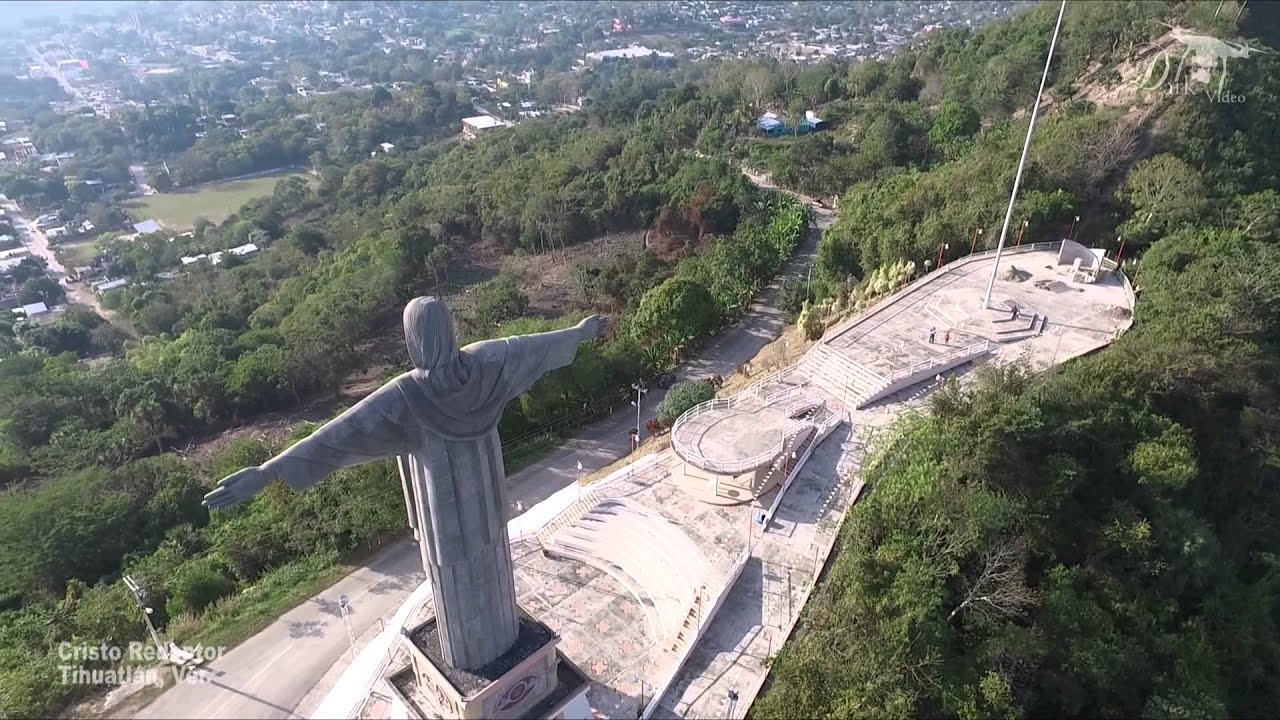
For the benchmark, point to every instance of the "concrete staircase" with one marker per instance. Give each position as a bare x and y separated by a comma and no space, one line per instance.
923,371
692,620
838,375
567,518
640,548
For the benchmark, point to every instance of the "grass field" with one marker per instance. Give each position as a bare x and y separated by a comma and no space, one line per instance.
213,202
74,255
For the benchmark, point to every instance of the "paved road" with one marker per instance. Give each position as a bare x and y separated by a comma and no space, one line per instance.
268,675
38,244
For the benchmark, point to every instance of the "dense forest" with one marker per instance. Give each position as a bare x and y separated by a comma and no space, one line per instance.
1097,541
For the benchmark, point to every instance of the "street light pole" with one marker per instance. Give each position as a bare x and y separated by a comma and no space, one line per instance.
139,597
974,245
640,390
1071,234
1022,163
343,603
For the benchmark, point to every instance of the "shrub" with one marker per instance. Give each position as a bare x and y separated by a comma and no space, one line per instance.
683,396
197,584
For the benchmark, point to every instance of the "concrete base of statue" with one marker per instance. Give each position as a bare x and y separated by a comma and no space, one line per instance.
532,679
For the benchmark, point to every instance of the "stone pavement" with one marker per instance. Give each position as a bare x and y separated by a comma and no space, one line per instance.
765,603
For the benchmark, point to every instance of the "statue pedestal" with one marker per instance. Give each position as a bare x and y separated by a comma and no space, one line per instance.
532,679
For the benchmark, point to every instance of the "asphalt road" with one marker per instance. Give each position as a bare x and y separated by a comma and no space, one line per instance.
268,675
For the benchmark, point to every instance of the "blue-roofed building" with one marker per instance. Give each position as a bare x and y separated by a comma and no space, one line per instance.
812,122
771,125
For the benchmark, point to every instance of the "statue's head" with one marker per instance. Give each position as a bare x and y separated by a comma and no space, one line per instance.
428,331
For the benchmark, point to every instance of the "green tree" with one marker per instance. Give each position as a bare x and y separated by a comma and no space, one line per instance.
683,396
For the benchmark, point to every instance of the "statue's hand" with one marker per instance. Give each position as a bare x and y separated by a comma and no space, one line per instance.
594,327
238,487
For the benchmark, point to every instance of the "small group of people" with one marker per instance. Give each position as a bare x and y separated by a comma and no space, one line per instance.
933,334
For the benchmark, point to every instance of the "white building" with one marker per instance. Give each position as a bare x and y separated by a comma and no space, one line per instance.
473,126
634,52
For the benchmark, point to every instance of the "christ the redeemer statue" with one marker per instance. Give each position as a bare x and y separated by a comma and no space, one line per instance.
441,420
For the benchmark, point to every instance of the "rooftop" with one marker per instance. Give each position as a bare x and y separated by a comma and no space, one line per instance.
628,53
484,122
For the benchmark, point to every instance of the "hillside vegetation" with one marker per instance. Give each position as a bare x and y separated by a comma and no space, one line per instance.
1098,541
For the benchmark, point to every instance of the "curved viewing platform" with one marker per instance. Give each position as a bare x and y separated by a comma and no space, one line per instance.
1069,300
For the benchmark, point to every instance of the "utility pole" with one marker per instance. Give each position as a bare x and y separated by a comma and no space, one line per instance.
139,597
1022,163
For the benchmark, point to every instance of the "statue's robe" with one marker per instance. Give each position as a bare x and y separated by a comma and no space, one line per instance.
445,430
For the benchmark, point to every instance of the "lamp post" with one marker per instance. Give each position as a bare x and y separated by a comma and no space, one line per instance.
640,390
1022,230
139,597
343,608
733,702
974,245
942,253
1071,234
1120,253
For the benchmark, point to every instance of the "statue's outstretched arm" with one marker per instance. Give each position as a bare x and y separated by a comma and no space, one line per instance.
525,358
377,427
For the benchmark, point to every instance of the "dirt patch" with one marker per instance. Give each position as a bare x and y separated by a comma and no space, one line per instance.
546,278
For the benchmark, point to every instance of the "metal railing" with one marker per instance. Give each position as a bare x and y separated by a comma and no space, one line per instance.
975,348
952,358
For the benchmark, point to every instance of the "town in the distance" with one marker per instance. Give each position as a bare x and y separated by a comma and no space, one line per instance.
639,359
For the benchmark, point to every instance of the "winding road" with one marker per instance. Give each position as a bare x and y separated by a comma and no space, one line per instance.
38,244
281,671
